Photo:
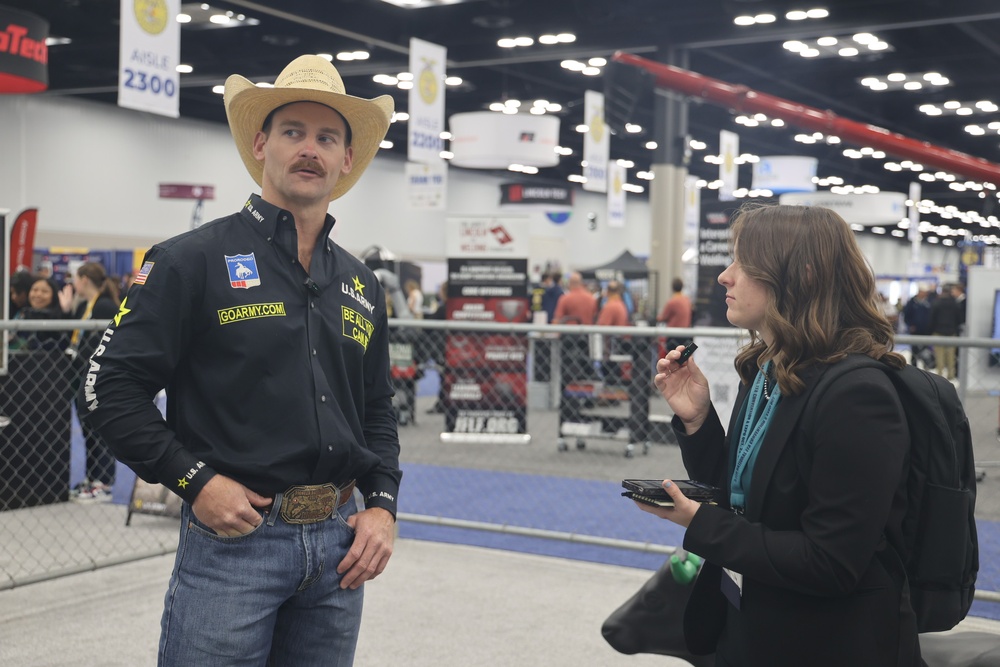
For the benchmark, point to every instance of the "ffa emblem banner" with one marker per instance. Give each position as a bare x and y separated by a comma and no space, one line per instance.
149,52
426,102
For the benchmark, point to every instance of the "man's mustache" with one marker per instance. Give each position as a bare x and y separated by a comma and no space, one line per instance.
311,165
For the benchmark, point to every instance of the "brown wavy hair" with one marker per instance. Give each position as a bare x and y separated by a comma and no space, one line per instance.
822,303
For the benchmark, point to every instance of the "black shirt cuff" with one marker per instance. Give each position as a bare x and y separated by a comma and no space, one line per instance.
185,475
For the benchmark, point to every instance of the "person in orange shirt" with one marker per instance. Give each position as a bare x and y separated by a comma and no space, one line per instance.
614,313
677,310
577,306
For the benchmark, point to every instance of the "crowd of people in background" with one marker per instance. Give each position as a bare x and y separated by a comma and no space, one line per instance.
90,294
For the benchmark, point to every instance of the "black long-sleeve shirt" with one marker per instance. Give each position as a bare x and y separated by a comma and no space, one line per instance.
274,377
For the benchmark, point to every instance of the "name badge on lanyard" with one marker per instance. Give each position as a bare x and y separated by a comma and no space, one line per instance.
732,586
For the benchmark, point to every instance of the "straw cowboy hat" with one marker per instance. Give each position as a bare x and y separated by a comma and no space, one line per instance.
306,79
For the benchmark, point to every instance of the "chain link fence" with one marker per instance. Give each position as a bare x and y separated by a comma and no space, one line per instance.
515,436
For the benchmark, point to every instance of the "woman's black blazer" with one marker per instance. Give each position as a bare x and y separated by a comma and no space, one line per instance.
824,498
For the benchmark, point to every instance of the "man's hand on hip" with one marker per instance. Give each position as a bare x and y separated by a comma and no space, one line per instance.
374,534
227,507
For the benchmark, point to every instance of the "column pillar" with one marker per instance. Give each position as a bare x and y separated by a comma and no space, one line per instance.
666,190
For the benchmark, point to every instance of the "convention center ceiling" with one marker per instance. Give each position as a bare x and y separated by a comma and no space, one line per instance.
925,69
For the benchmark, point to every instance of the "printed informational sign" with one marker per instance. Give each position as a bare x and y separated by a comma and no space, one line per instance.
486,373
529,195
785,173
872,208
426,102
427,185
149,52
713,258
596,142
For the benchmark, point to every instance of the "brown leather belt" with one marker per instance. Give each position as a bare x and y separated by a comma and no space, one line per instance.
312,504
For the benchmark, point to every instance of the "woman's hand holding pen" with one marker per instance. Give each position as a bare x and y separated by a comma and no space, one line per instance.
684,387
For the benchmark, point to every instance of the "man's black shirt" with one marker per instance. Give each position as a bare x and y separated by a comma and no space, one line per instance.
274,377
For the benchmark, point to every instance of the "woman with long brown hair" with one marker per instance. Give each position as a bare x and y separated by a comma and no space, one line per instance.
799,564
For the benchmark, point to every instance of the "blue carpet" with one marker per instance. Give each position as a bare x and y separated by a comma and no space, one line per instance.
561,504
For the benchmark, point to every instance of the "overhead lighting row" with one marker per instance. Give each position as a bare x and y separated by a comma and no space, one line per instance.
227,18
956,108
980,130
538,107
514,42
817,137
792,15
745,158
827,180
346,56
523,169
904,81
866,151
404,80
854,190
758,119
844,47
590,68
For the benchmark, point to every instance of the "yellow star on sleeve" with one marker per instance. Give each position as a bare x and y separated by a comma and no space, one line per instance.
182,483
122,312
358,285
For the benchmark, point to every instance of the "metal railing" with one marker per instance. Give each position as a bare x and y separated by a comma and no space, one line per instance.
513,429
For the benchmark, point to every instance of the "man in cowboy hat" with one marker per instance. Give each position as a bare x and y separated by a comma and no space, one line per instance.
272,344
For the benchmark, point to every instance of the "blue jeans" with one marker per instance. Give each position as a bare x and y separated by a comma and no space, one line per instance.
270,597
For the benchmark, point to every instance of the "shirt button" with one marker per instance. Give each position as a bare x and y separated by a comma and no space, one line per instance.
312,304
329,448
314,352
322,399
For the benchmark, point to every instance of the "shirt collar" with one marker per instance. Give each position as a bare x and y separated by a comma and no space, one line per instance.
265,217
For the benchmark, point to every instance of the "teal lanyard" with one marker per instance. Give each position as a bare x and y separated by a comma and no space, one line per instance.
755,415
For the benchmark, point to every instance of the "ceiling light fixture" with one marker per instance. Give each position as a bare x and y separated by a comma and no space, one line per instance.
908,81
831,46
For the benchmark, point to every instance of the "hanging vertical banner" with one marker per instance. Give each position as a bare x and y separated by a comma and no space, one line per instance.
148,55
426,185
616,194
713,258
596,142
22,240
426,101
485,378
729,149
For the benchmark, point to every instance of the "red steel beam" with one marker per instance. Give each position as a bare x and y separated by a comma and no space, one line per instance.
744,99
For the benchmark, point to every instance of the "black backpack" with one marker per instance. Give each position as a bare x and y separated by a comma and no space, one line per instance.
939,528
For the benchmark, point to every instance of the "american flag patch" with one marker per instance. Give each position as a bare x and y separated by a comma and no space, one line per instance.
140,278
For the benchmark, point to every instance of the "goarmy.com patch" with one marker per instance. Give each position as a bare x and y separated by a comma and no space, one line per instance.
252,311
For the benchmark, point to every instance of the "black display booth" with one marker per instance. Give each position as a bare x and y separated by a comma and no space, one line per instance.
35,430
